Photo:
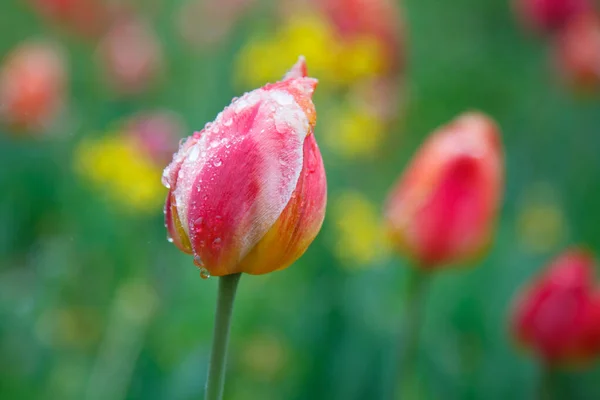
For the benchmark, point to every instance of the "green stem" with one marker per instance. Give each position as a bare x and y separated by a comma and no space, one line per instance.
218,356
547,383
415,297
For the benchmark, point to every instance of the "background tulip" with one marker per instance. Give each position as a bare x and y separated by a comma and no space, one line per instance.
444,207
577,52
247,193
557,315
131,55
32,86
549,15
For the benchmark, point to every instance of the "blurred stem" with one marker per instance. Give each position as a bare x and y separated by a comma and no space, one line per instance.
547,384
415,298
218,356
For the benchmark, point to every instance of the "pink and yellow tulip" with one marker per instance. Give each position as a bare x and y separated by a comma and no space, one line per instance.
444,207
248,192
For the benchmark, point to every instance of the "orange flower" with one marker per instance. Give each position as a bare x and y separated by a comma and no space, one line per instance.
443,208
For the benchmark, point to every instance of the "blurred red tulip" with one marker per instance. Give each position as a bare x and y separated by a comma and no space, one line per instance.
444,207
157,133
32,86
84,17
558,316
549,15
248,192
131,55
578,52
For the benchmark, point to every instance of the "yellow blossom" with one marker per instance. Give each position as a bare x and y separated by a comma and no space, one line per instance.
541,225
335,60
360,237
116,165
354,131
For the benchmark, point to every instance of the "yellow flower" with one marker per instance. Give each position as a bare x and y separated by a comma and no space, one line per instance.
541,225
265,355
120,168
354,131
360,238
361,58
335,60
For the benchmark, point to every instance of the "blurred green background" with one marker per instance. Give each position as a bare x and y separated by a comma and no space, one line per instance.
96,304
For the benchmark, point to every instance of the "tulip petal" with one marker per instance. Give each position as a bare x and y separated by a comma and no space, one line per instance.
299,222
174,228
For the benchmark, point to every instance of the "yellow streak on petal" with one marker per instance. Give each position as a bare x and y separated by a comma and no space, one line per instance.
183,237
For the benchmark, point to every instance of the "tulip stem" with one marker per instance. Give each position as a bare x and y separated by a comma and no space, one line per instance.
218,356
547,384
415,298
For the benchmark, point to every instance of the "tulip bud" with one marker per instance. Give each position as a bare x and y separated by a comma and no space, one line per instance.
578,52
32,86
558,316
248,192
443,208
131,55
549,15
156,133
83,17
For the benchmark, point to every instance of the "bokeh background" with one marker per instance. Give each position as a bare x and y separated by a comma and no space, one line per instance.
96,304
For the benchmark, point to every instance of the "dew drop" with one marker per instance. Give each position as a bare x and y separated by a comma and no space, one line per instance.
228,122
198,261
216,244
199,221
217,162
204,274
194,154
169,239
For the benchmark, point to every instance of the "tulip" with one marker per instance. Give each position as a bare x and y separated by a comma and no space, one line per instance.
247,193
83,17
130,55
32,86
558,316
443,209
549,15
577,52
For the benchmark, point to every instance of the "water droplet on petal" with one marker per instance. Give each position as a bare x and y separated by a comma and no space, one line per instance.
217,162
198,261
228,122
169,239
204,274
216,244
